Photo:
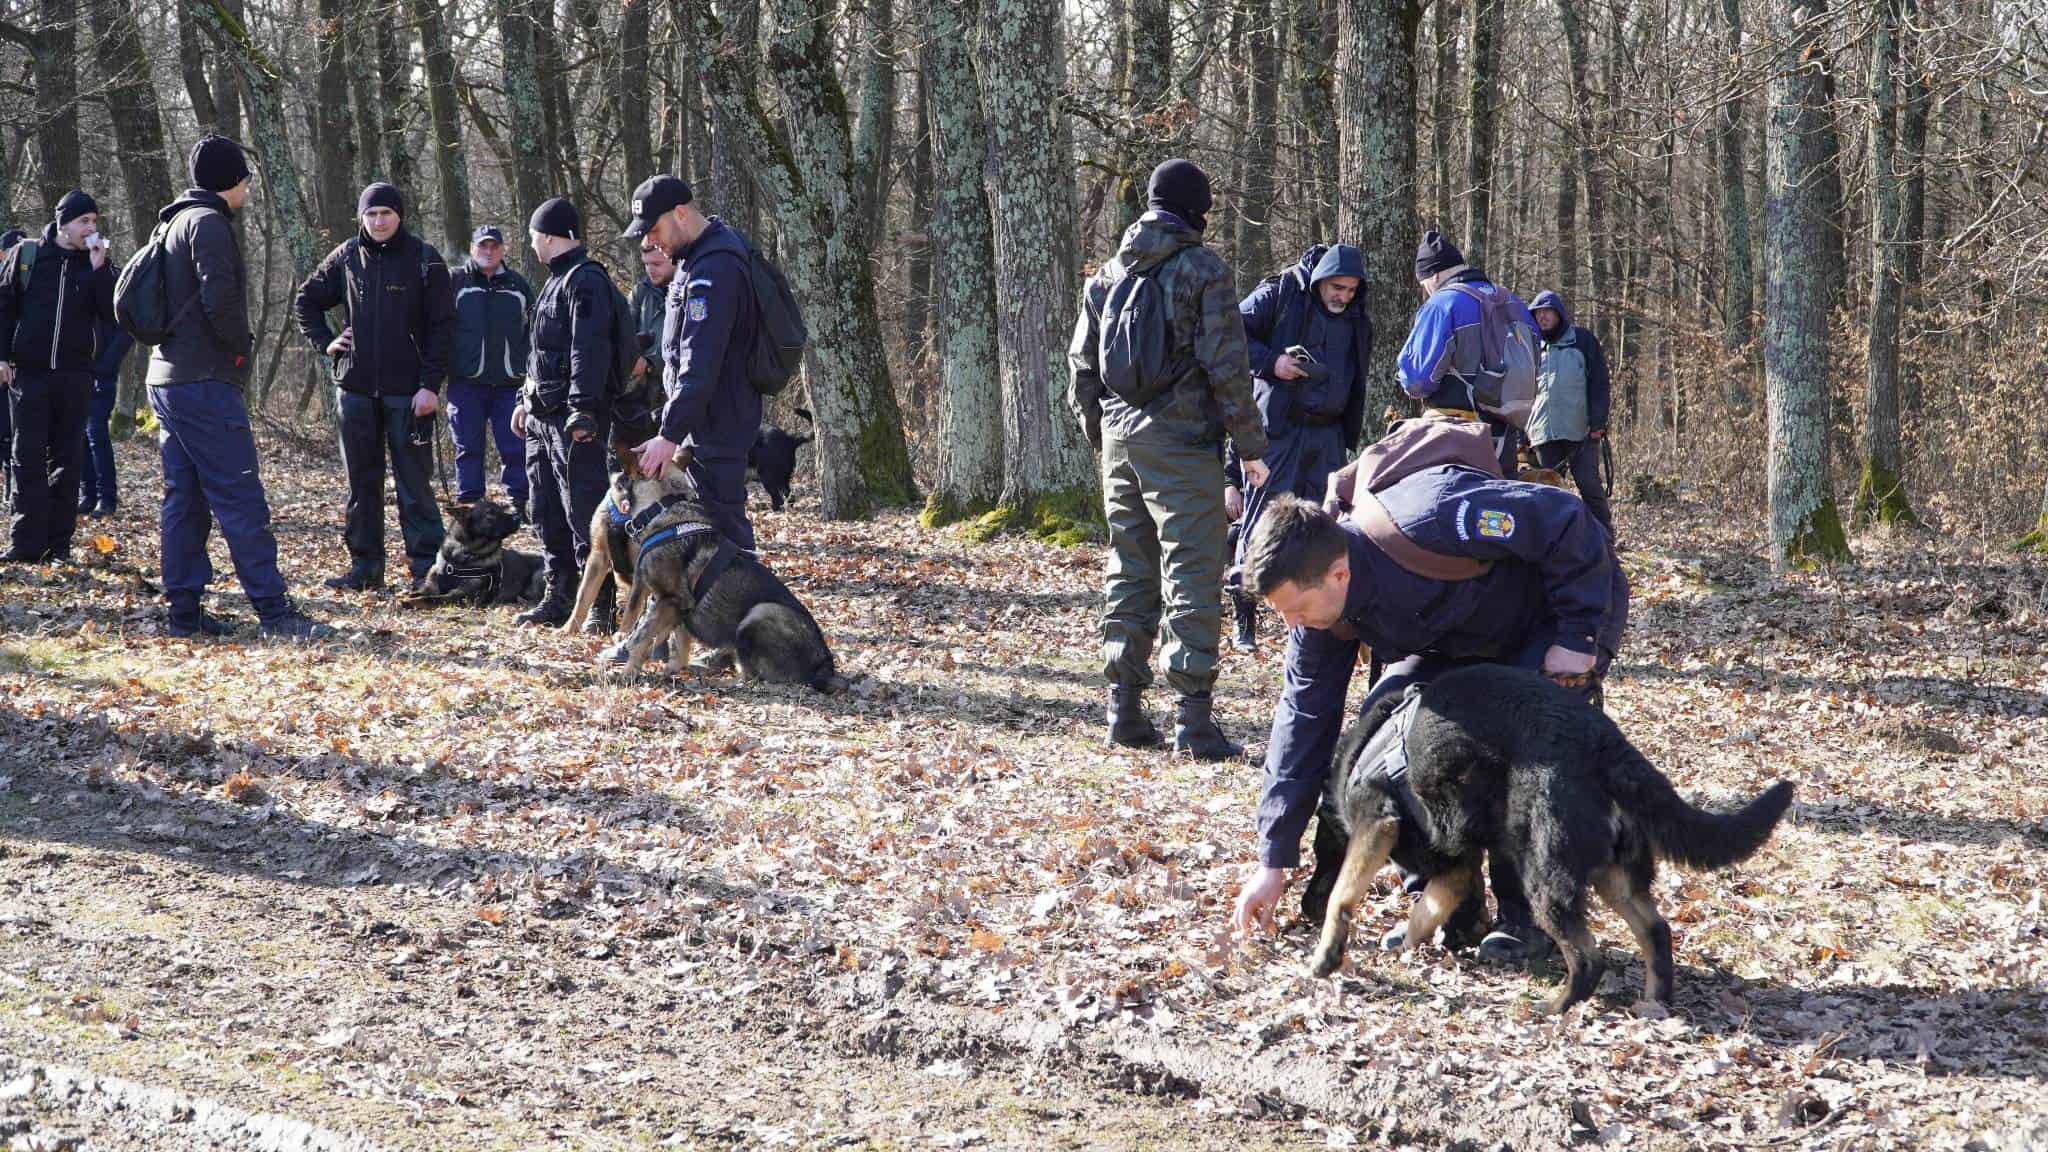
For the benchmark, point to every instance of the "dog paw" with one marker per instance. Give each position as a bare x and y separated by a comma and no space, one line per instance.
1327,962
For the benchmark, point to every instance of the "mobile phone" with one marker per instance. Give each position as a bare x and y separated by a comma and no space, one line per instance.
1302,354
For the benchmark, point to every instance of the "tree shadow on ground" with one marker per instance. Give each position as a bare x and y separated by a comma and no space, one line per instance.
1966,697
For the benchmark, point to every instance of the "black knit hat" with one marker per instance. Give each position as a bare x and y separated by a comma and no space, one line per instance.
75,203
217,164
1435,254
557,217
1182,188
380,195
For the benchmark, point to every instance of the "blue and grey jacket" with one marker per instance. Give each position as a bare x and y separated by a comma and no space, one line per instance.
1442,354
1283,311
491,312
706,338
1554,580
1572,389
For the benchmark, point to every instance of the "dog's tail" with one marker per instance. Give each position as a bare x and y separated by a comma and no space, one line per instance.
1685,834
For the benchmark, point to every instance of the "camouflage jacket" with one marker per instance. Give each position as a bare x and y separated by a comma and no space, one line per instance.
1206,403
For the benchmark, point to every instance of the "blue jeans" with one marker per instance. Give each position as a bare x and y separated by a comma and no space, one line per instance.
96,488
473,407
211,471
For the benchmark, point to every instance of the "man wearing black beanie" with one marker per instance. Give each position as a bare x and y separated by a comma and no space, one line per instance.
566,412
1444,359
388,363
55,293
1158,415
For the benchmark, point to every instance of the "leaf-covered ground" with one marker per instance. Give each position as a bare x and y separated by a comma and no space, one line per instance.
439,885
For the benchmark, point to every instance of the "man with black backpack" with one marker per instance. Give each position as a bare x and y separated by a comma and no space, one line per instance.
710,344
1473,349
388,362
1431,560
566,413
1159,375
1310,341
186,293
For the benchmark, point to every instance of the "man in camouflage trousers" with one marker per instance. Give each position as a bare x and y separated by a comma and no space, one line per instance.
1162,463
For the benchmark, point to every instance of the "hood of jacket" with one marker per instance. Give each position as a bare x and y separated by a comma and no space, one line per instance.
1552,300
1152,238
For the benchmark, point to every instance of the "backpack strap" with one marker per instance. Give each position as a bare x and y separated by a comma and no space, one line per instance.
1372,517
25,254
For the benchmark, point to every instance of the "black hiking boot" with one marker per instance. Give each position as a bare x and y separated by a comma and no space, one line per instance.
359,578
604,612
1129,727
551,612
1246,638
1195,731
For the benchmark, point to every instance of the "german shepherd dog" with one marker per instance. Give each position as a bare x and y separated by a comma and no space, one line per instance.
772,460
1502,760
690,585
475,566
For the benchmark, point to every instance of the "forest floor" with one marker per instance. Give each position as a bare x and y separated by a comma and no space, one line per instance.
437,885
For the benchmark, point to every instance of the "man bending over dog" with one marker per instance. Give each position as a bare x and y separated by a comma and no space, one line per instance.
1432,561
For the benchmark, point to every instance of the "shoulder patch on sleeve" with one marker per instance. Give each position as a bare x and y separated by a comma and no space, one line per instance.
699,309
1495,524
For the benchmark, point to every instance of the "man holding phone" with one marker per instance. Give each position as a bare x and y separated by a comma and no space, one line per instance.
1310,339
56,294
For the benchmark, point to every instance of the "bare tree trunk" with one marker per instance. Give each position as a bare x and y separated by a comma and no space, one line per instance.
450,163
1738,277
558,114
874,128
261,80
1262,143
1376,66
688,149
970,479
1048,472
1147,85
359,58
739,48
53,52
1443,108
1913,117
394,93
1567,217
139,139
629,90
1315,59
1599,243
809,179
529,175
192,65
1484,37
1881,491
918,308
334,161
1805,522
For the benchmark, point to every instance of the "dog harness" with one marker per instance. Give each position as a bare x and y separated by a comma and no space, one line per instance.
1386,754
636,524
490,576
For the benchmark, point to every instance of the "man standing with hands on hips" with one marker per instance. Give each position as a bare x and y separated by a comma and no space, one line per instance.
388,363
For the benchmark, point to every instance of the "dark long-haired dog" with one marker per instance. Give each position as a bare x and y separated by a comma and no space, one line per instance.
1502,760
474,565
772,460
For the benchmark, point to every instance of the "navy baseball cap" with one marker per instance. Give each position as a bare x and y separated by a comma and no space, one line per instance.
654,198
487,232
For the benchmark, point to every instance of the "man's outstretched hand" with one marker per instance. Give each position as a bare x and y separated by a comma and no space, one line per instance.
1262,889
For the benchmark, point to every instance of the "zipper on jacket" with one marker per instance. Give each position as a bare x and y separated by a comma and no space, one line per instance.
57,333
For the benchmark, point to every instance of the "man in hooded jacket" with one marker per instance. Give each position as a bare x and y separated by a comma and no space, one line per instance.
1313,405
1162,464
1572,394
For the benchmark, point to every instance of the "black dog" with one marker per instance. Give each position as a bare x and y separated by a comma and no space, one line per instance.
772,460
475,566
1498,759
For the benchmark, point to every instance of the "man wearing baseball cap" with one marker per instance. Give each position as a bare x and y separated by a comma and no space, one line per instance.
488,367
712,410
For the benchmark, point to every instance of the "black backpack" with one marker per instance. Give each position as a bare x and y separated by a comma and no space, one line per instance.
625,336
142,295
1131,350
779,333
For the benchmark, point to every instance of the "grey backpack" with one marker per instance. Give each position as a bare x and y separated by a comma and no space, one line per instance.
1505,384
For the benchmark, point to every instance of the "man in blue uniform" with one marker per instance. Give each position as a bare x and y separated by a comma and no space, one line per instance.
1313,405
712,408
1442,358
1551,596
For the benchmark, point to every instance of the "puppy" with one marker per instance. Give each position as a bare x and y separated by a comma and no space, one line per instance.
1499,759
771,461
475,566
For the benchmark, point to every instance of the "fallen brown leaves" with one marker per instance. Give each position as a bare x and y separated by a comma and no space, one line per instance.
954,831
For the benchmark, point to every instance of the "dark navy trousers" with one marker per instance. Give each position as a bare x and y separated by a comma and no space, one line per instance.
211,472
